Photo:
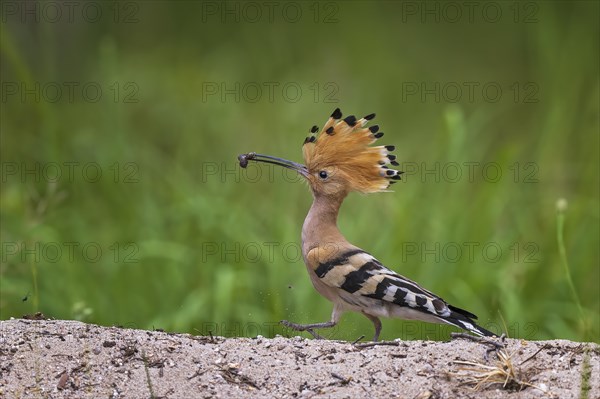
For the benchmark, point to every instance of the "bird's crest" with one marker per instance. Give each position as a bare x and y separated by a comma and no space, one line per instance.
344,145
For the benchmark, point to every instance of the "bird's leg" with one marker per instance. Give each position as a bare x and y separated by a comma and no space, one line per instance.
335,317
308,327
377,325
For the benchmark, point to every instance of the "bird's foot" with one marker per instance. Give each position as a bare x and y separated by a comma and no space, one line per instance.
306,327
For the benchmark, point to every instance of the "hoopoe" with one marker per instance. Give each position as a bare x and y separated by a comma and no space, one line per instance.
339,159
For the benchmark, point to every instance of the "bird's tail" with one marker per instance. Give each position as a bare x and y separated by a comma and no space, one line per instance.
463,319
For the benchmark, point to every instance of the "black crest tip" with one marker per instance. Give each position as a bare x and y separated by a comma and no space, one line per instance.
379,135
337,114
390,147
329,130
314,129
369,117
350,120
374,128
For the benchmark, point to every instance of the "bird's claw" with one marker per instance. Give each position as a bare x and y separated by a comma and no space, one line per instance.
300,327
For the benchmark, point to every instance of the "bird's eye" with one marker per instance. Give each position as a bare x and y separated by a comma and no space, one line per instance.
323,175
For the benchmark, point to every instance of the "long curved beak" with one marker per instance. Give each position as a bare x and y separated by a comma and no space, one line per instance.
252,156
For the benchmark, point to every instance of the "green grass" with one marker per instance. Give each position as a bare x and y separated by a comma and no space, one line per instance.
586,374
189,242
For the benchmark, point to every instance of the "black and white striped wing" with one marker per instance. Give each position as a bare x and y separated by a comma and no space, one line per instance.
360,274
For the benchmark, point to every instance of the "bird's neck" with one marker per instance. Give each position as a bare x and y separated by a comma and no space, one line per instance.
320,226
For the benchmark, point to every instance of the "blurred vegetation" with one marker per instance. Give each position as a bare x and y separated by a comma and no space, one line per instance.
191,243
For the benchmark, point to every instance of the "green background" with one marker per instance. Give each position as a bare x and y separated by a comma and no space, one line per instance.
122,202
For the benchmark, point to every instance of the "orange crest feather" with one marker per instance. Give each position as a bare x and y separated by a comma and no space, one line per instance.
344,145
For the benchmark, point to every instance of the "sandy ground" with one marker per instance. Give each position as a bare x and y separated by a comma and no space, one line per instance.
69,359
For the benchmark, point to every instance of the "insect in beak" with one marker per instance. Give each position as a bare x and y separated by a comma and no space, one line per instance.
252,156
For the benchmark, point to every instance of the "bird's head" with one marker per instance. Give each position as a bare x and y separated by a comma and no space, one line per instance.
339,158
